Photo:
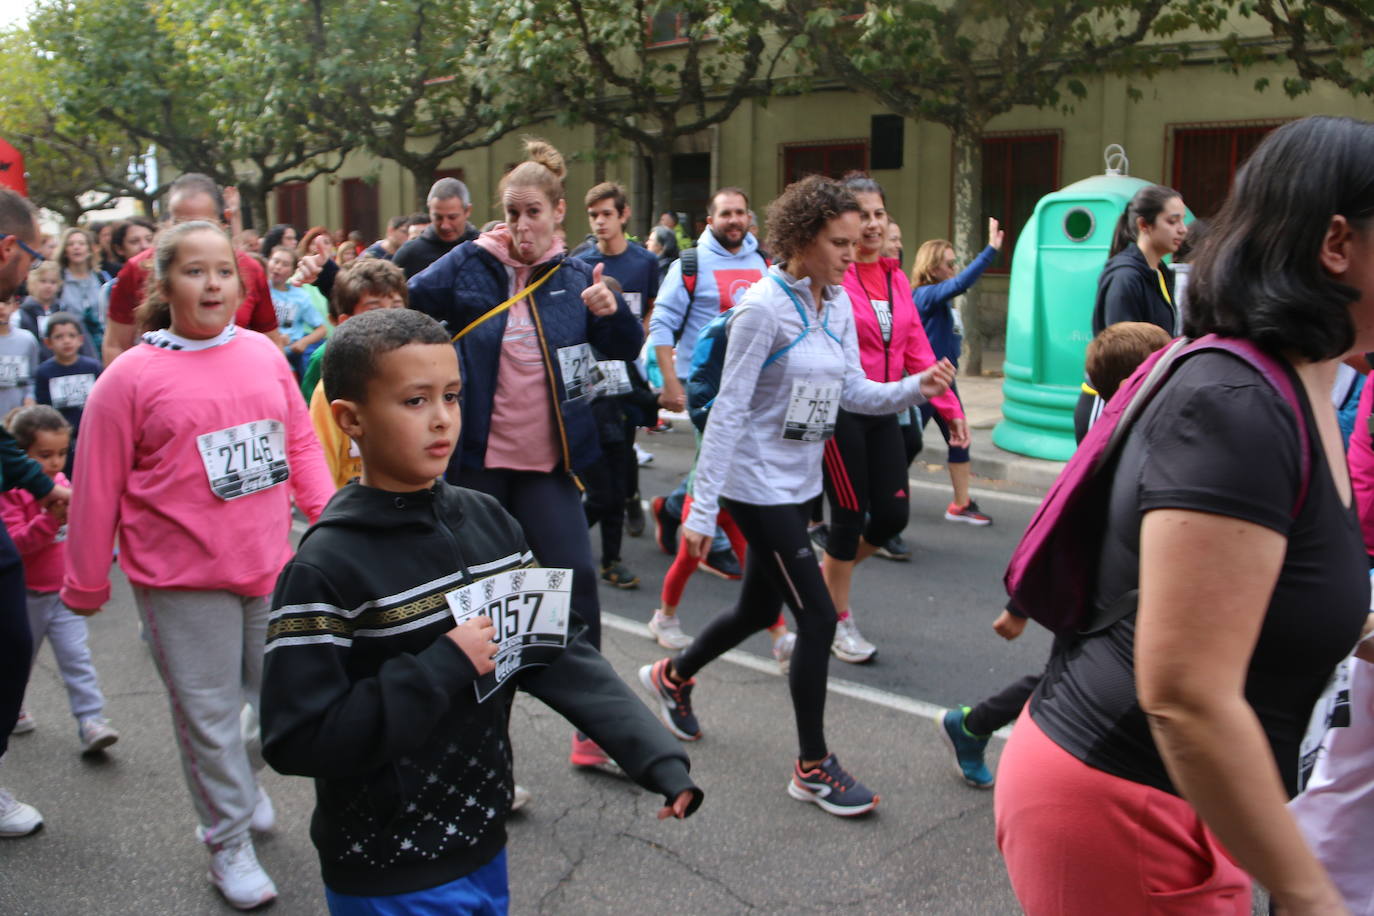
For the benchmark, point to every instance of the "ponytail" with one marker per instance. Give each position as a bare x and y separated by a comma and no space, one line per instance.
1147,204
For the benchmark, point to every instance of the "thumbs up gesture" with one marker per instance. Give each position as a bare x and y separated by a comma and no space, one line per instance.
598,298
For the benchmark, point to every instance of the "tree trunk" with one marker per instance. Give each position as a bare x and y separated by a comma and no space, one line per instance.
968,216
422,174
662,177
255,208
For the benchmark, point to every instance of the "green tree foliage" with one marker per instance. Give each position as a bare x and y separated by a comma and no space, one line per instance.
961,63
598,60
224,87
73,166
415,82
1331,41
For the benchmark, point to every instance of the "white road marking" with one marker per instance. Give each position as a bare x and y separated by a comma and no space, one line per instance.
874,695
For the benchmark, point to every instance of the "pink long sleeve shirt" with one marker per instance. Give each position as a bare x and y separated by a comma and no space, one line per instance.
892,342
1360,457
181,455
38,535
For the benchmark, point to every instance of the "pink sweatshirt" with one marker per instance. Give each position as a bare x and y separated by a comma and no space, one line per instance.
35,534
908,352
140,471
1360,457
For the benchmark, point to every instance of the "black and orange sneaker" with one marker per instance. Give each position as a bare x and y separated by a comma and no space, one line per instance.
674,700
830,786
969,514
665,526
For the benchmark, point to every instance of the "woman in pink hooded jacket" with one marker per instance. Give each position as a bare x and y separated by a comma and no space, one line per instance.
865,462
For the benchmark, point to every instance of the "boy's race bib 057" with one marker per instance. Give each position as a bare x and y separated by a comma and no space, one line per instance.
636,303
580,374
528,608
14,371
245,459
812,410
71,390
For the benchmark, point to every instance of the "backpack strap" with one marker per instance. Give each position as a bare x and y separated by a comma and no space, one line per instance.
688,262
1274,373
1279,377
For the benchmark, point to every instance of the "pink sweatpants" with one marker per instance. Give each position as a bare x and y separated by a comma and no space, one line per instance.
1077,840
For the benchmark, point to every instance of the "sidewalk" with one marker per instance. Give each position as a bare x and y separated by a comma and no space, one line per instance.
982,397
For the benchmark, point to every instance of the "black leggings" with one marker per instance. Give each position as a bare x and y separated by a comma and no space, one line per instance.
16,642
607,489
1001,708
779,568
865,476
549,509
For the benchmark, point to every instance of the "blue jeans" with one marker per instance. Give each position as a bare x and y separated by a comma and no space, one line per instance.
485,892
673,506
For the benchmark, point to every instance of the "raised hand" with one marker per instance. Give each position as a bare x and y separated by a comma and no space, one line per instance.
598,298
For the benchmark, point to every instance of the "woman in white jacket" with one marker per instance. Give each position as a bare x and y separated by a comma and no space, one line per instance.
791,363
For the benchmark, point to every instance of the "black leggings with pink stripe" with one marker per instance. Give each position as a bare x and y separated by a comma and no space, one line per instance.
865,479
779,568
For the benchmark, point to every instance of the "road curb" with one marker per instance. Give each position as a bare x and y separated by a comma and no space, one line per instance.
1000,465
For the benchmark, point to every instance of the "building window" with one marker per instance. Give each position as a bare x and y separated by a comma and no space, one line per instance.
832,158
1206,158
293,204
360,207
667,26
1018,170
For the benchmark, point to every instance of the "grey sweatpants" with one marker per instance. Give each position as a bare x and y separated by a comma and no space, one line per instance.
50,619
208,647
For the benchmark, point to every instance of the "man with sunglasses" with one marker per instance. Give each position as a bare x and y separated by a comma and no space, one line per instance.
18,237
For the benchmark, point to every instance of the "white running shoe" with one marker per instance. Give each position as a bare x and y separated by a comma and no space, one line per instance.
668,631
17,818
520,798
642,457
24,724
849,645
236,872
264,819
96,734
782,651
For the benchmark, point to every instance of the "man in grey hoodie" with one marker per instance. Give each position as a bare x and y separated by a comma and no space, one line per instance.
727,261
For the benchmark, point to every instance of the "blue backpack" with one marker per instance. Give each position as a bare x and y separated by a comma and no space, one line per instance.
708,358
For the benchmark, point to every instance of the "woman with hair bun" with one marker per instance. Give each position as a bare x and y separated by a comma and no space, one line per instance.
531,324
792,362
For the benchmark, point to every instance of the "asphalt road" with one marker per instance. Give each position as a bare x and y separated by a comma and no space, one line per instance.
119,836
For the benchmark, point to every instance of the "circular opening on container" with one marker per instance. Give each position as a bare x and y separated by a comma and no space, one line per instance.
1079,224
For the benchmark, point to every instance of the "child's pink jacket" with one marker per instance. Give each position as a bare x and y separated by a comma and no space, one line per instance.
35,534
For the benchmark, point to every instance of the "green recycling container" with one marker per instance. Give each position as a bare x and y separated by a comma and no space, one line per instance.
1058,258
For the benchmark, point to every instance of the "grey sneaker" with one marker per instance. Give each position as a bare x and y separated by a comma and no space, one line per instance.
236,872
17,818
668,631
96,734
24,724
849,645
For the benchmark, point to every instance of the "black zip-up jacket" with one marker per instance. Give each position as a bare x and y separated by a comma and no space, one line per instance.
1128,290
426,248
363,692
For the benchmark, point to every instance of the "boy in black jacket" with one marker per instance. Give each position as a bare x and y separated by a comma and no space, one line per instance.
371,689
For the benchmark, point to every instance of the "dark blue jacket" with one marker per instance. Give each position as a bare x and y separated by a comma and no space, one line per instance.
933,302
465,284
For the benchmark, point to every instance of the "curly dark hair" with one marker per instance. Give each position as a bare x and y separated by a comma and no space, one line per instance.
802,210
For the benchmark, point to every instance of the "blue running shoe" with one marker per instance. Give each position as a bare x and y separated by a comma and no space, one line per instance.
830,786
674,700
968,749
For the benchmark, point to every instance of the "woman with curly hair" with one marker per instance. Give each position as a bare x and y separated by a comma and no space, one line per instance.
792,362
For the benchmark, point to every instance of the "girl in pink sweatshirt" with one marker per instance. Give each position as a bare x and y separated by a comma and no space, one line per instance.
41,536
194,443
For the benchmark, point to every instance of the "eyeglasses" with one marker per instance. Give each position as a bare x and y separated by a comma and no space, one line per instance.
22,244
